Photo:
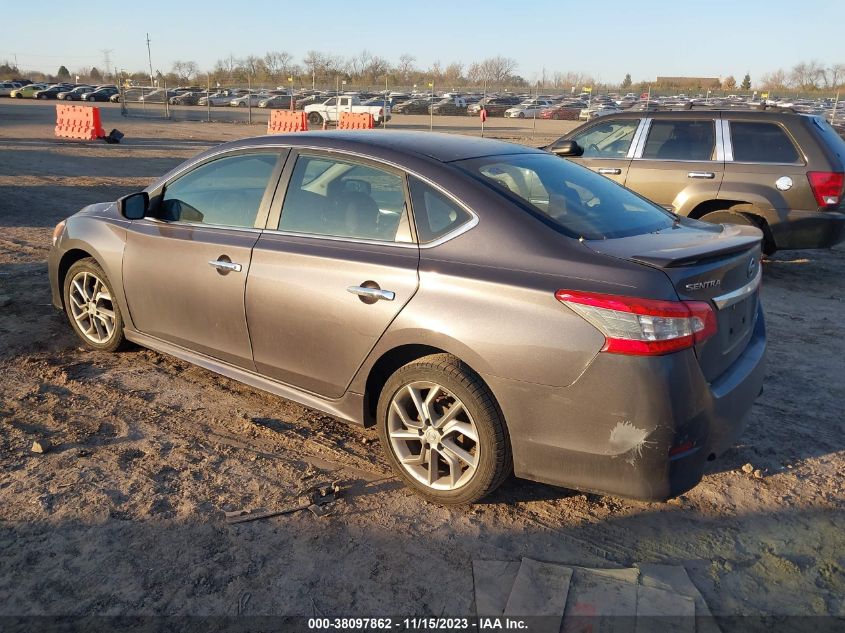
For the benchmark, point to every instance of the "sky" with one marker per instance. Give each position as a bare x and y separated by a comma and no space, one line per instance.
605,39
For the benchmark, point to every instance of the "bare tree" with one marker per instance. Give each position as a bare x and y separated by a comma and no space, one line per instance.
405,68
278,64
836,75
493,70
775,80
807,75
454,73
185,71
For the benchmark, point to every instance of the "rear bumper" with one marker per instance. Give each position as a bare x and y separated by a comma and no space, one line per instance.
611,431
795,229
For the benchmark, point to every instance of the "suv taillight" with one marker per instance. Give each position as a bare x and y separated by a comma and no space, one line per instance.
643,327
827,186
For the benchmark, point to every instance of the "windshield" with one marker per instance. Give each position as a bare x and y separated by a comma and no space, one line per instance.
578,202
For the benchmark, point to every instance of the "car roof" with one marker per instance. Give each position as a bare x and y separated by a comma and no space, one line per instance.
388,144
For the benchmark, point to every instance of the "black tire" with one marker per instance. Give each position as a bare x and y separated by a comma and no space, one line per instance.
736,216
117,340
315,118
495,462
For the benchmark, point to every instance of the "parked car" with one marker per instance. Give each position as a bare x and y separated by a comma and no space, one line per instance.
779,171
222,98
50,93
28,91
495,106
277,101
449,106
331,108
74,94
487,306
412,106
186,98
6,88
529,108
157,96
568,110
103,93
597,110
249,99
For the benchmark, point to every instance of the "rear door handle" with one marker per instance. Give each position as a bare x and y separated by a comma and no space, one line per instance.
709,175
221,264
615,171
372,293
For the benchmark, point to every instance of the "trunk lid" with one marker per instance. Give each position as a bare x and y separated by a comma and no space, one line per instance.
719,264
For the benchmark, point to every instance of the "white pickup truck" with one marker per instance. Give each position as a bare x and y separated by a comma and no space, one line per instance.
331,108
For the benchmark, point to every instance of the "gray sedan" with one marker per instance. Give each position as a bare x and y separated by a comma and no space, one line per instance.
490,307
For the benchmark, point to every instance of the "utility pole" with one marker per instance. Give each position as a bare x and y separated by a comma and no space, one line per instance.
107,61
150,59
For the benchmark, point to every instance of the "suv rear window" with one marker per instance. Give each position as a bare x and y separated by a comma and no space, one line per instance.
575,200
681,140
758,142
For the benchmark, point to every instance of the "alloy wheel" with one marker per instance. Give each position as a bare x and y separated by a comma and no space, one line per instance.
91,307
433,435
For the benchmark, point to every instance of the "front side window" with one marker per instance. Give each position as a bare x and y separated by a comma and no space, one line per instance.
226,192
577,201
340,198
681,140
608,139
758,142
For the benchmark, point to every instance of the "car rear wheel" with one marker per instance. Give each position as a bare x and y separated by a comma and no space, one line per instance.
443,432
732,216
91,308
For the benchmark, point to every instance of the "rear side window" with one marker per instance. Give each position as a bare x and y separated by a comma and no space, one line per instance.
435,214
681,140
757,142
345,199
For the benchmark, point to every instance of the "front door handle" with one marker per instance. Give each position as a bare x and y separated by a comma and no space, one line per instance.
613,171
372,294
709,175
224,265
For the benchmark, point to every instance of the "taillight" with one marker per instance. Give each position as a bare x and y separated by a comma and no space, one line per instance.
827,186
643,327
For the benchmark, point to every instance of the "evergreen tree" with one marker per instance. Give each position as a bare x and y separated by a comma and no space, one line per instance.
95,74
63,73
626,83
746,82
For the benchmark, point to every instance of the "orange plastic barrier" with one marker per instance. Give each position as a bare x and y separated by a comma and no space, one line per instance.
81,122
287,121
356,121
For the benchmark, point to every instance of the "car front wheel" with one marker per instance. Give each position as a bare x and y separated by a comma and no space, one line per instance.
314,118
91,308
443,432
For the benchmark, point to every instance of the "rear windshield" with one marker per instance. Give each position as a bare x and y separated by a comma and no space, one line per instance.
573,199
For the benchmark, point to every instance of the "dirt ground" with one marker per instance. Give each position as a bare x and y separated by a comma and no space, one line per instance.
124,516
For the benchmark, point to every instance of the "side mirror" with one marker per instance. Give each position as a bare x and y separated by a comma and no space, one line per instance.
567,148
134,206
